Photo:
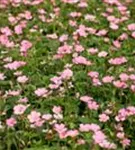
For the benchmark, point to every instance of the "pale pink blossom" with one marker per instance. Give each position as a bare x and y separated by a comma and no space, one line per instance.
11,122
133,34
34,116
14,92
107,79
18,29
103,117
15,65
79,48
57,109
2,76
86,98
25,45
120,84
67,74
19,109
92,50
41,92
63,38
131,27
92,105
93,74
125,142
124,77
72,133
120,135
22,79
84,127
118,60
102,54
47,117
117,44
81,60
23,100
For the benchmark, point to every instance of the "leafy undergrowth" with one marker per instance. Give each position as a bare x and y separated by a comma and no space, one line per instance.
67,74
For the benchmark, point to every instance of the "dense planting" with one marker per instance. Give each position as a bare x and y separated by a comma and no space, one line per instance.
67,74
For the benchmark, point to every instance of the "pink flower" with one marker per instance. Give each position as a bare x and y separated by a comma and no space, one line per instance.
66,74
111,18
103,118
82,31
41,92
18,73
114,26
118,60
82,5
86,98
132,77
72,133
63,38
92,50
19,109
125,142
70,1
107,79
102,54
117,44
65,49
23,100
6,30
56,80
132,87
14,93
27,15
60,128
94,127
133,34
84,127
124,77
81,60
98,137
102,32
38,123
120,84
79,48
131,27
2,77
96,82
90,17
11,122
15,65
12,20
34,117
91,30
22,79
57,109
120,135
123,36
93,74
18,29
25,45
72,23
92,105
47,117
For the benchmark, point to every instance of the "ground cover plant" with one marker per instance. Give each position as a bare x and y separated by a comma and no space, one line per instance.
67,74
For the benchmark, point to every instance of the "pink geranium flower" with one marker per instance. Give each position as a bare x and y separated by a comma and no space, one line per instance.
19,109
11,122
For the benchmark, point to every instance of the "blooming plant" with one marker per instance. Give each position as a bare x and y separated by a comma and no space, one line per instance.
67,74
